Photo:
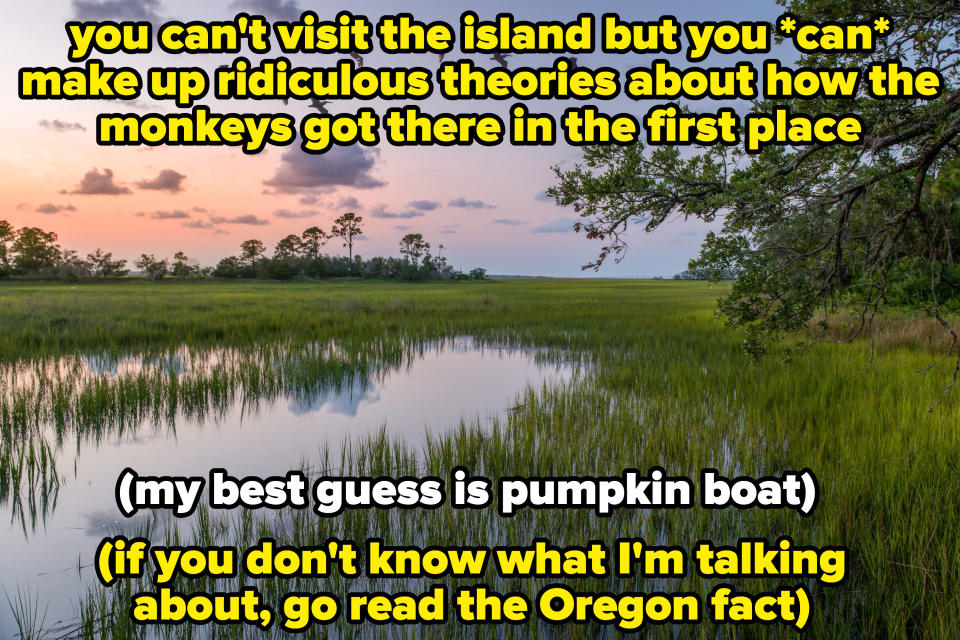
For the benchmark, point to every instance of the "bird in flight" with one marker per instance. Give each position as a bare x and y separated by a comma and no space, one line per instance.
357,57
500,58
320,105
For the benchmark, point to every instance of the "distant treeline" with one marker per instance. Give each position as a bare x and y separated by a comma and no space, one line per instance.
703,274
33,252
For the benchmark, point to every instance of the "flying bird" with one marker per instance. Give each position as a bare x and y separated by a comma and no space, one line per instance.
500,58
356,56
320,105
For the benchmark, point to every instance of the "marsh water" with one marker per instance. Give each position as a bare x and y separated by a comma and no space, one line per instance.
58,506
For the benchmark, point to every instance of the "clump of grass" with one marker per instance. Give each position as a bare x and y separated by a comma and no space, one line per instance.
29,483
888,331
27,614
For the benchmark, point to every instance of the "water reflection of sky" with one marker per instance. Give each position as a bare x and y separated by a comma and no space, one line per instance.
434,391
344,401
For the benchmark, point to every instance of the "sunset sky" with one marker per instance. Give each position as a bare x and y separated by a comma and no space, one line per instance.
485,205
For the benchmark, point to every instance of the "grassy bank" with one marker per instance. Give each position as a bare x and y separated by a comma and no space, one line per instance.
668,385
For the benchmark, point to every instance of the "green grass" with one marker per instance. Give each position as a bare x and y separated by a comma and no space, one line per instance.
29,618
668,385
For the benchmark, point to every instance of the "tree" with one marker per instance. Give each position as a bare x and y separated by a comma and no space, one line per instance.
312,241
181,267
227,268
72,267
151,267
35,251
806,227
288,248
7,236
251,251
347,227
413,248
103,265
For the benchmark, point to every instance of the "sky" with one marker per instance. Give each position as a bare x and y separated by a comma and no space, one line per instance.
485,205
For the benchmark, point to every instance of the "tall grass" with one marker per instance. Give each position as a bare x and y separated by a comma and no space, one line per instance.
27,614
668,385
29,483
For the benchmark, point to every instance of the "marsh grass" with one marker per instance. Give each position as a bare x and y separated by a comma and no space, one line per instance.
29,483
892,330
28,614
667,386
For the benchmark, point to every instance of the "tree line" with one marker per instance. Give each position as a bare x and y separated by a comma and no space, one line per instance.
33,252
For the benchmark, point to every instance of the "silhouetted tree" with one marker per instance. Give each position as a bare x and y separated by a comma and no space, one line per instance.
72,267
227,268
104,266
413,247
312,241
153,268
347,227
181,267
251,251
7,236
288,248
35,251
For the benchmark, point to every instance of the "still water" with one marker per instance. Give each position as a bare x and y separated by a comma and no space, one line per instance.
46,556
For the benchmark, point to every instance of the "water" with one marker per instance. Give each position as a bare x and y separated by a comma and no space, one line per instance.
47,549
